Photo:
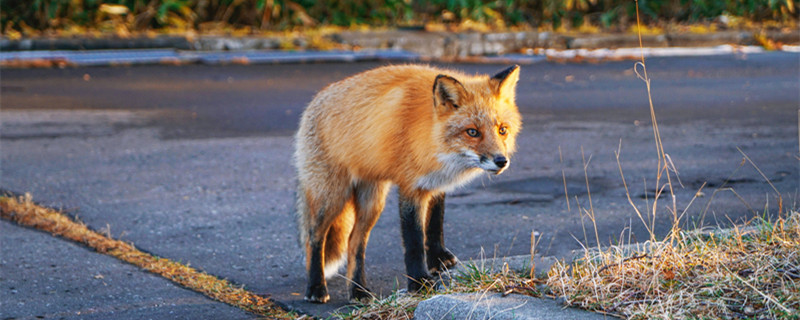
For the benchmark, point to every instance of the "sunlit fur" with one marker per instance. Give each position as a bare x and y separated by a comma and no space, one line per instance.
384,126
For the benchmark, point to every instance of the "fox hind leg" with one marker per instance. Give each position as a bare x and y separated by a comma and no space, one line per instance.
369,198
438,257
324,211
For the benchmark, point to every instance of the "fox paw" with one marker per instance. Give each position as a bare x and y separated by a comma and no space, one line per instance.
420,283
317,294
441,260
359,293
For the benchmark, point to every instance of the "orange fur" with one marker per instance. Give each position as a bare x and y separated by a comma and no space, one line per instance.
393,125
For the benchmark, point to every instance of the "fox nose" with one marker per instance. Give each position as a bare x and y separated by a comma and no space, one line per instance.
500,161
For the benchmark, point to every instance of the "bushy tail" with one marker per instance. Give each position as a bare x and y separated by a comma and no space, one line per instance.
337,239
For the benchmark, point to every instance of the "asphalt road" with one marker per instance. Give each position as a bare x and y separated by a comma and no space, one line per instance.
193,163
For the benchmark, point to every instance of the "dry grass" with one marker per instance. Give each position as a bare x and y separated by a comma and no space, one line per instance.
24,212
398,305
471,278
751,273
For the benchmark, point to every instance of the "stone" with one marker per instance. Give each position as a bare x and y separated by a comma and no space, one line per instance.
495,306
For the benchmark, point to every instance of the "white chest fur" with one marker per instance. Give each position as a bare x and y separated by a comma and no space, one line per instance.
457,169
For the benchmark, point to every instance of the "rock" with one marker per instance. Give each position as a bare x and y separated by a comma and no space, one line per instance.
521,263
495,306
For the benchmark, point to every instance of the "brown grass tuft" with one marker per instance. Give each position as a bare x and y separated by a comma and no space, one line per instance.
744,273
472,277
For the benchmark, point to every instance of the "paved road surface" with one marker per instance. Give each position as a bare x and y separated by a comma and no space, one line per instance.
193,163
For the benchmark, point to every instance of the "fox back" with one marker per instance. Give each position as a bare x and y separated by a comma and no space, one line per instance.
393,124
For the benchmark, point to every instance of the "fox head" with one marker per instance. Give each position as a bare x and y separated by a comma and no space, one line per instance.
477,120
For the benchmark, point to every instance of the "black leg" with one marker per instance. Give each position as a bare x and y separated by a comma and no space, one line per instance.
439,258
317,290
414,243
358,289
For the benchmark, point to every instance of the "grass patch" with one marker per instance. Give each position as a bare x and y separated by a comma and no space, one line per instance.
740,273
470,278
750,272
25,212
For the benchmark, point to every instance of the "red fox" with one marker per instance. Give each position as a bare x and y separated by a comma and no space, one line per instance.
423,129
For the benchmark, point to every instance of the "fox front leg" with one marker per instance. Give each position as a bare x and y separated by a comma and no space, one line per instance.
412,214
438,257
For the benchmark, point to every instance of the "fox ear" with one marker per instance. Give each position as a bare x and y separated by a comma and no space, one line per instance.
447,90
505,82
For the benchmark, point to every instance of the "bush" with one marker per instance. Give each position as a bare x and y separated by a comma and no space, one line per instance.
138,15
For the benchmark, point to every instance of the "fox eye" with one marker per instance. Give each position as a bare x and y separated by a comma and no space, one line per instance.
502,131
473,133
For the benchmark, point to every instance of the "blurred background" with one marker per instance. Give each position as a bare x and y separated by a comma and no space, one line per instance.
25,18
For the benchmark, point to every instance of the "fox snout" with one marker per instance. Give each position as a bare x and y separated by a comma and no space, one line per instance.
501,161
494,164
